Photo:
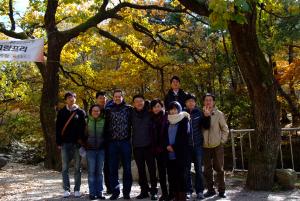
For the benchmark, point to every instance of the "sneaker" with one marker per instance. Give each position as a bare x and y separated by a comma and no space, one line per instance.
200,196
109,192
163,198
92,197
114,196
154,197
126,197
209,194
142,196
188,196
67,194
222,195
77,194
171,196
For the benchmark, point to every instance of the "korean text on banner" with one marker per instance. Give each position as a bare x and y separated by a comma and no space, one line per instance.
22,50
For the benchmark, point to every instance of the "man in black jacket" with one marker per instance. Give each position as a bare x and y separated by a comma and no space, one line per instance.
142,149
70,126
175,93
199,120
118,119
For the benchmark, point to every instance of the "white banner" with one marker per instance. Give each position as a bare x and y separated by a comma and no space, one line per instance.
22,50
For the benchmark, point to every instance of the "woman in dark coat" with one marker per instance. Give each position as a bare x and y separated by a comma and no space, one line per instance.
158,131
177,147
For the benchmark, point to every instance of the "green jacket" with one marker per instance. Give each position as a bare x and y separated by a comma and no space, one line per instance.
95,132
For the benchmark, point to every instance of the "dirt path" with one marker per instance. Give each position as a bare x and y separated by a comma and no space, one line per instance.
26,182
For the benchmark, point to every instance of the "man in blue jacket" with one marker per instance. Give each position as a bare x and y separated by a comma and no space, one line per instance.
199,120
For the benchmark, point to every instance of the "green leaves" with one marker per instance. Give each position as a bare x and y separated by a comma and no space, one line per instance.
227,10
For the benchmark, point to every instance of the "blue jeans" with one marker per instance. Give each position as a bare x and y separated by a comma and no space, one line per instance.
120,150
95,162
195,155
70,151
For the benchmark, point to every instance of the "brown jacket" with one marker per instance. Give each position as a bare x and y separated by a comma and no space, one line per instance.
218,132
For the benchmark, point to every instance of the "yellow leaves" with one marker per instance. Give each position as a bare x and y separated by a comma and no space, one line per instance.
288,72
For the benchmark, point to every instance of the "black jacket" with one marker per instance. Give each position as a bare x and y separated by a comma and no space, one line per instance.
180,97
181,143
118,119
159,129
75,129
141,124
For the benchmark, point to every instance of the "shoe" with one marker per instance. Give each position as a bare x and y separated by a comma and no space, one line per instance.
114,196
101,197
67,194
154,197
209,194
142,196
188,195
163,198
77,194
126,197
109,192
92,197
171,196
200,196
222,195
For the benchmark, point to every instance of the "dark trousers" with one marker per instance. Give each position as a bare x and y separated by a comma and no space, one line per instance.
161,160
143,156
214,160
176,177
106,171
195,156
120,150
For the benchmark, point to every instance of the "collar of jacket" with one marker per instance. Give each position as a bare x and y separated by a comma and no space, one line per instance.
118,105
74,107
196,109
180,91
215,109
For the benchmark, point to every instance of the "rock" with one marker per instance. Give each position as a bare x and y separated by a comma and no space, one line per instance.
286,178
3,161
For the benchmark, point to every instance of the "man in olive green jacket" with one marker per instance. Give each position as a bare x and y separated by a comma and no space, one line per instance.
214,138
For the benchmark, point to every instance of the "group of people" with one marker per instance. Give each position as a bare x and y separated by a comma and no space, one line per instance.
165,136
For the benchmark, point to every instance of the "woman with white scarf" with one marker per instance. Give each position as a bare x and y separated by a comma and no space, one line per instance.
177,146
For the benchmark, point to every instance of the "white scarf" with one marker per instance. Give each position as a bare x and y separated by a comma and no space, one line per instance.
175,118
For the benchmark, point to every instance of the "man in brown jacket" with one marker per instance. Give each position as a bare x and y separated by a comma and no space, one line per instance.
214,138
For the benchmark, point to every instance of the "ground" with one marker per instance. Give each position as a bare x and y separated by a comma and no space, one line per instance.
27,182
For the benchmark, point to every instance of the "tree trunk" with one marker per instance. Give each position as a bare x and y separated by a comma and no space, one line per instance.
262,90
49,101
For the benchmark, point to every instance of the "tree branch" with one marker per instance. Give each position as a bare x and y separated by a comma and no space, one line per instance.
111,13
125,46
118,7
12,34
11,16
263,7
69,74
104,5
200,6
7,100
